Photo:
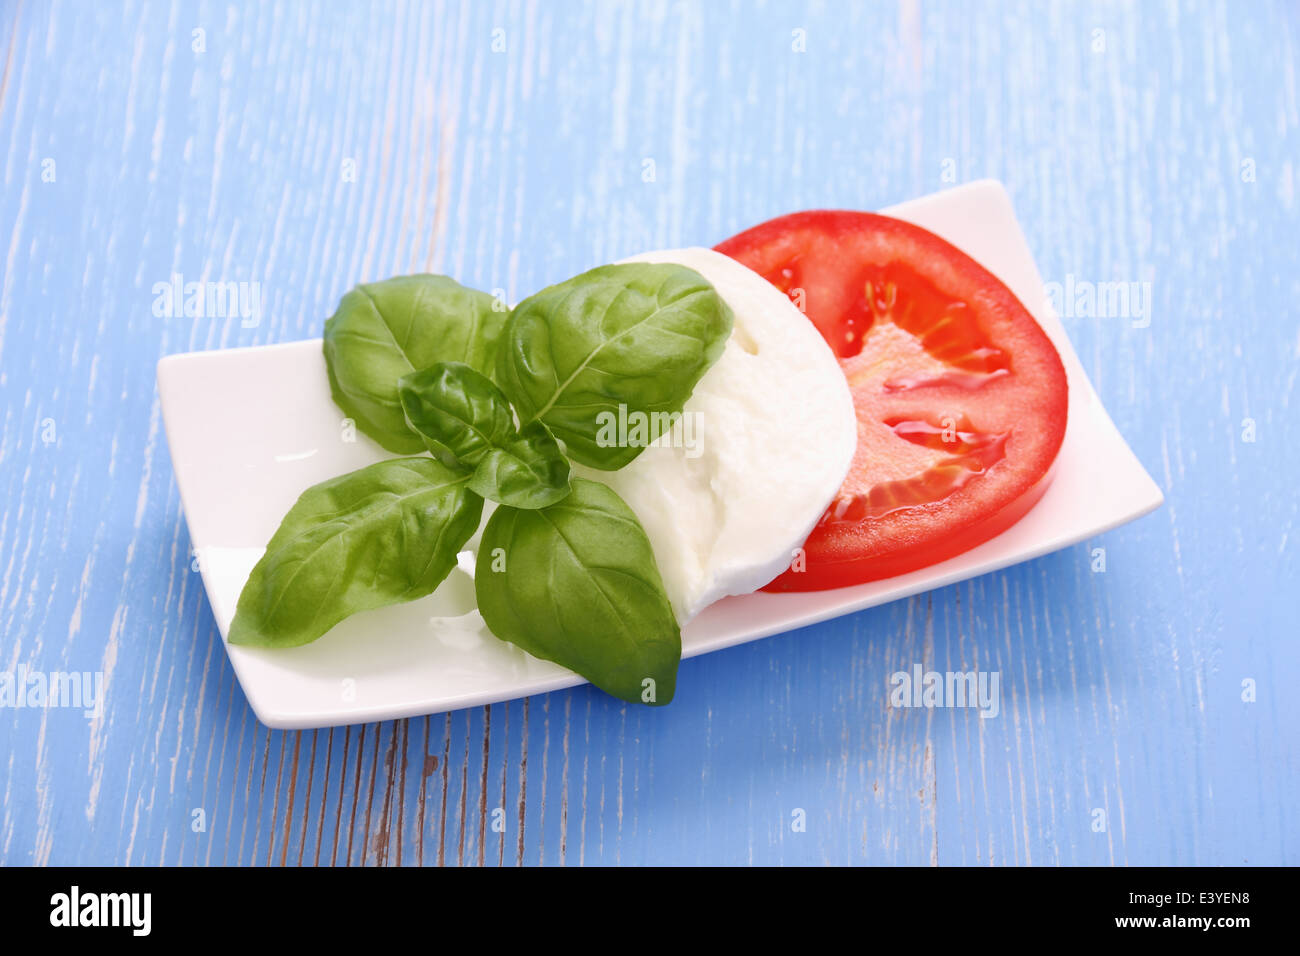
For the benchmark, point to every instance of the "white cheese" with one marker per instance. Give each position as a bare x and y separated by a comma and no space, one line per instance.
765,442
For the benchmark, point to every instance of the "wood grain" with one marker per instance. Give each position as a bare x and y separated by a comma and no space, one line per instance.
1140,142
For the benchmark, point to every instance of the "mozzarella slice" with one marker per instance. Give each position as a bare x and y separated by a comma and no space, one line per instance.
764,444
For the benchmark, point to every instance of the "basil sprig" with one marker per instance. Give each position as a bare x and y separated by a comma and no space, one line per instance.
565,570
466,422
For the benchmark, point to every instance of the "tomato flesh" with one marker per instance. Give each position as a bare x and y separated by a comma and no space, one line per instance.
961,398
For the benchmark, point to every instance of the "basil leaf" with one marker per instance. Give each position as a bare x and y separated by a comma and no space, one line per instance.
381,535
383,330
528,471
577,583
458,412
637,335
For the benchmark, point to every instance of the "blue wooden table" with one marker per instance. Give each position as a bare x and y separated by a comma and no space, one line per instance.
1151,700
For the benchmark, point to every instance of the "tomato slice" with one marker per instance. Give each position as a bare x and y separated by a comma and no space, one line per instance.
960,396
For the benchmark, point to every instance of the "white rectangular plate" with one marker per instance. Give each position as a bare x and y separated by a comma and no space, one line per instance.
250,429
